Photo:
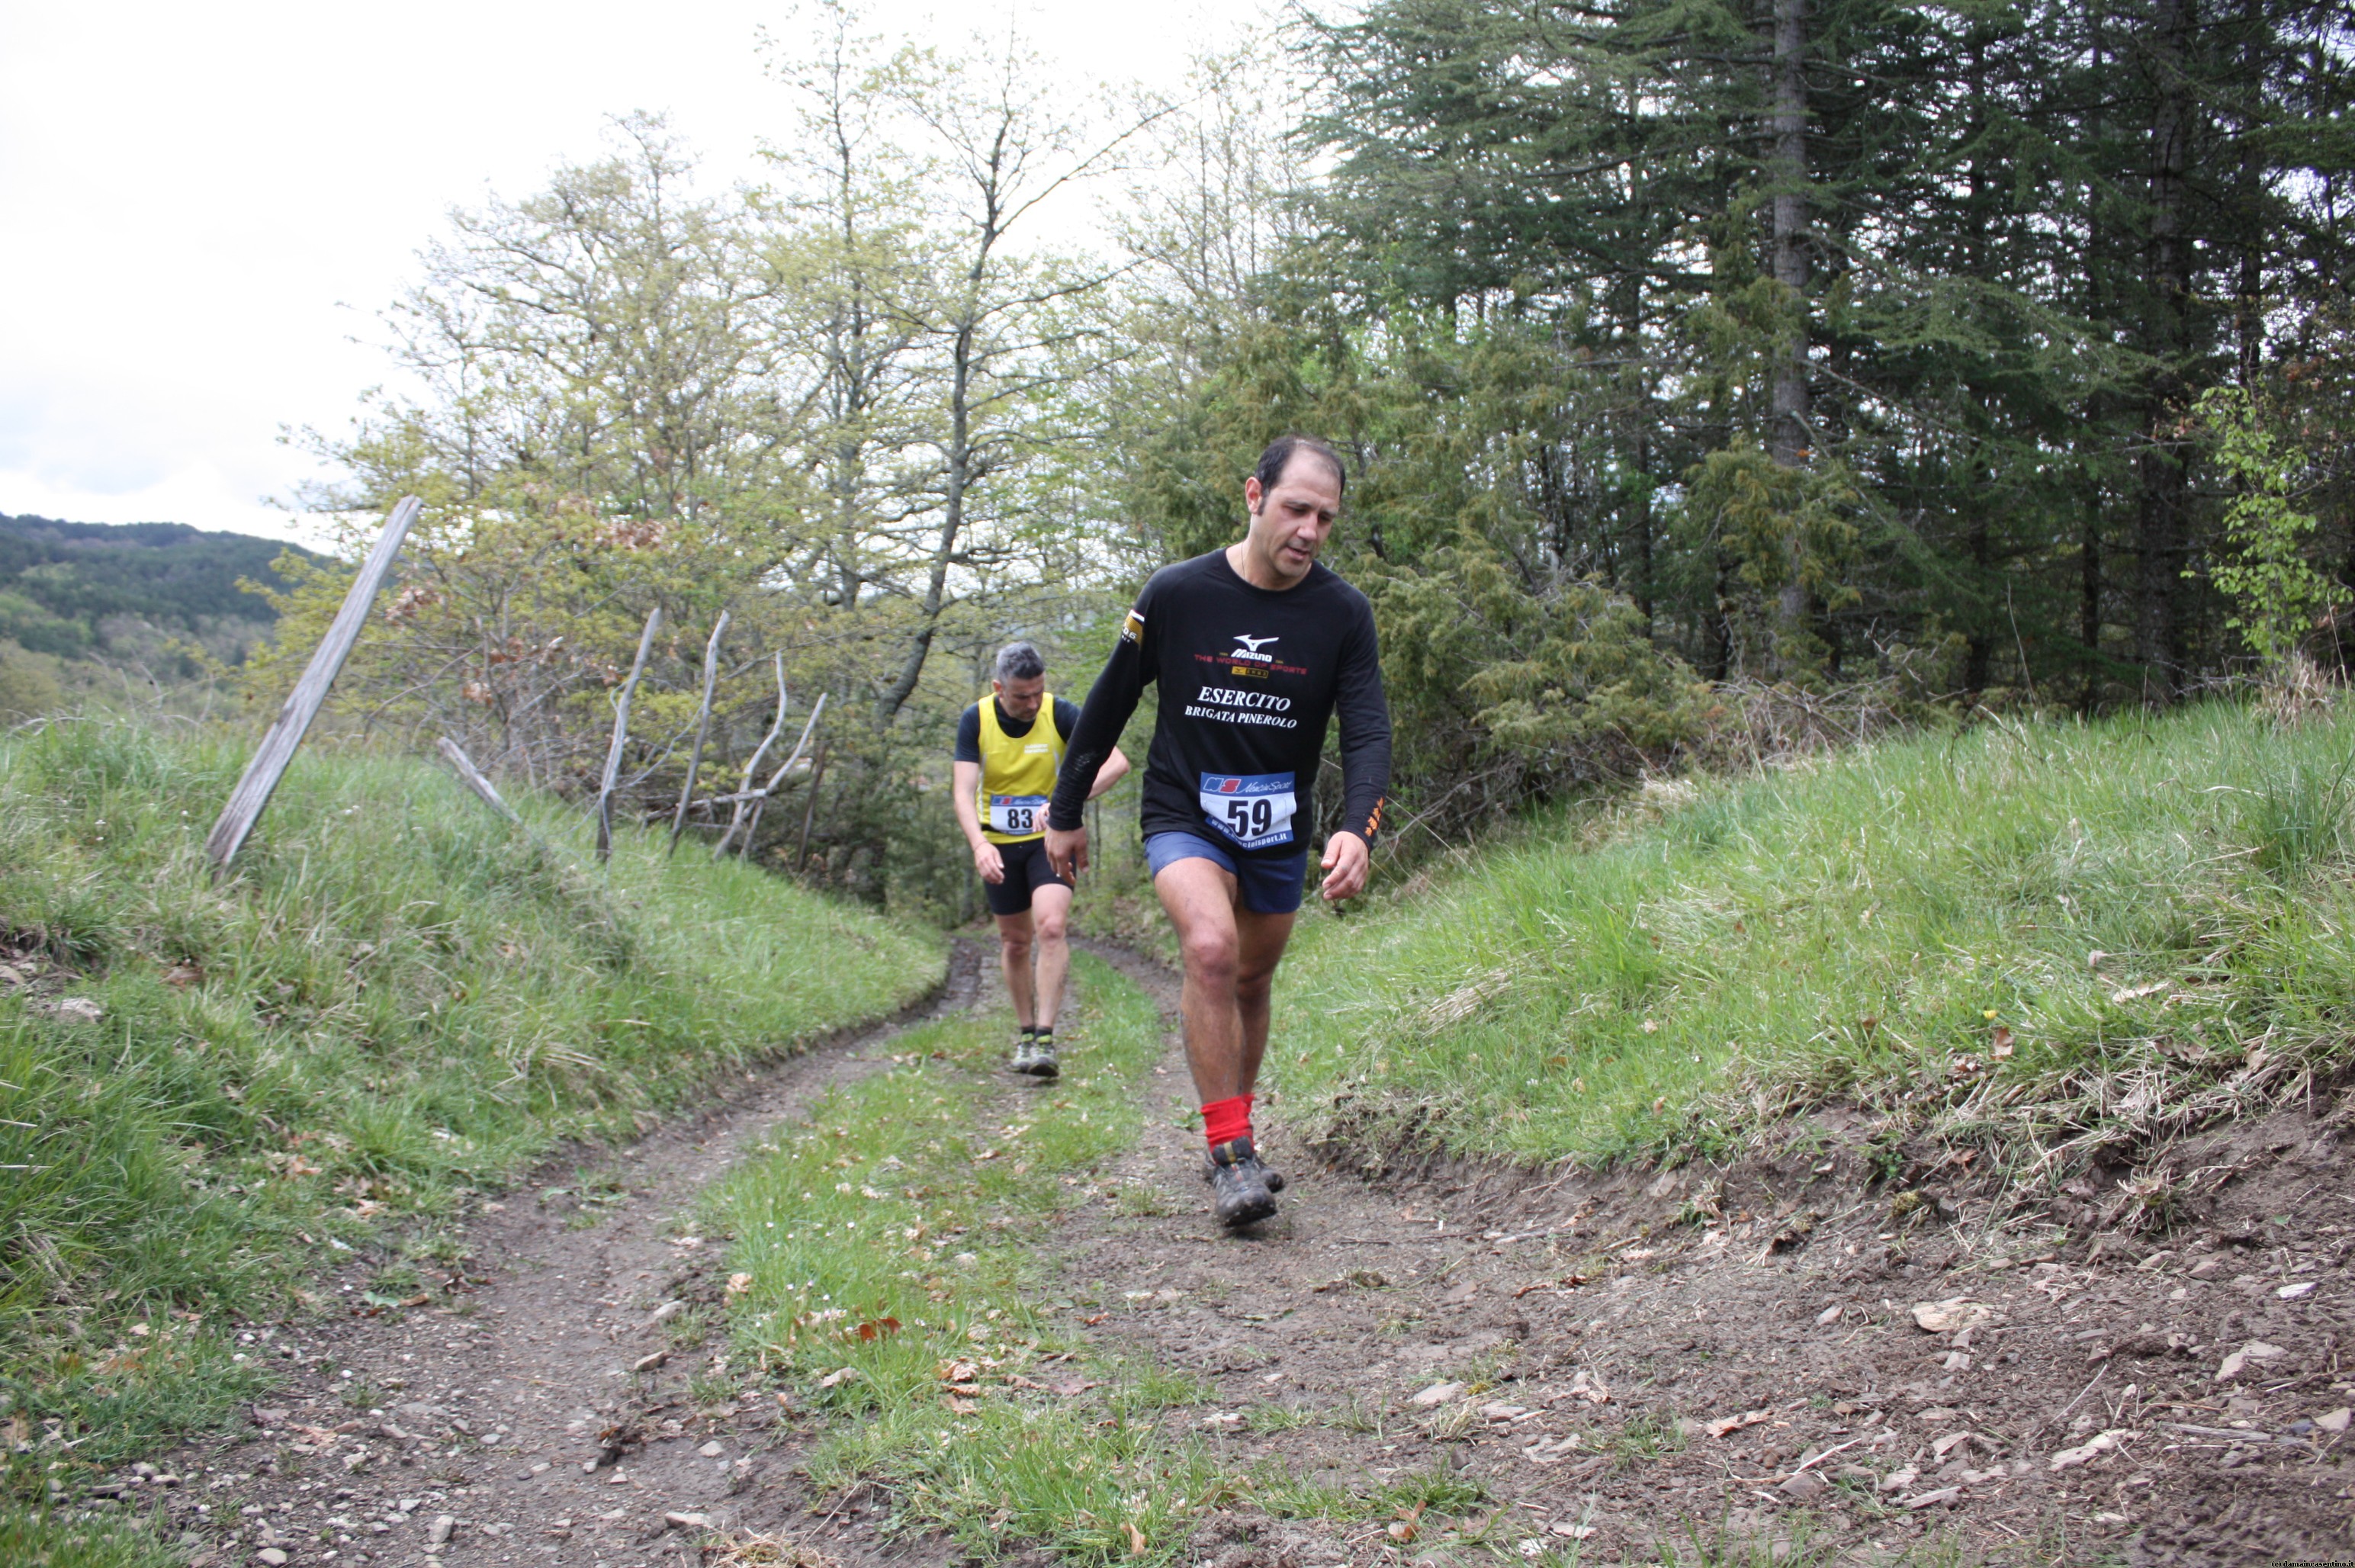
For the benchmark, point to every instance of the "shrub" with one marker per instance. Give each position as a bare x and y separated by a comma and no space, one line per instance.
1503,689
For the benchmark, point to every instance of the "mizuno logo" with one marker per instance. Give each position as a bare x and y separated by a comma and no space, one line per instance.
1253,644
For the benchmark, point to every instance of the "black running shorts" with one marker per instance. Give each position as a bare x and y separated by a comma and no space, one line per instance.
1027,871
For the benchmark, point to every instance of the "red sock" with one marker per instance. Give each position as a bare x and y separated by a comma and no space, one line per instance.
1223,1121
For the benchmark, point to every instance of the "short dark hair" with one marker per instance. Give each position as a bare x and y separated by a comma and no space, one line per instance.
1018,661
1280,453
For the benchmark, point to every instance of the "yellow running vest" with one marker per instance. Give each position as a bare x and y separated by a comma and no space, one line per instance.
1018,775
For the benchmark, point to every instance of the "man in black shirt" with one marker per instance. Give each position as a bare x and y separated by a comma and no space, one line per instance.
1256,648
1008,747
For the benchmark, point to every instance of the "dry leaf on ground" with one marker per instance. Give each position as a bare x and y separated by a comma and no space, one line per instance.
1718,1428
2069,1457
1954,1313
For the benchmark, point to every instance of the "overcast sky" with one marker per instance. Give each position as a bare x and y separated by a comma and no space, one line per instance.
206,204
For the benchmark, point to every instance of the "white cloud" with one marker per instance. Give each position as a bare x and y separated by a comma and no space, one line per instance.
208,203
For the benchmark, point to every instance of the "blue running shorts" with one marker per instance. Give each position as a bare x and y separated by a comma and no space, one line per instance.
1269,886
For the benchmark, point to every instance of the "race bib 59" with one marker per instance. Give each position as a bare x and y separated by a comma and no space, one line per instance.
1254,809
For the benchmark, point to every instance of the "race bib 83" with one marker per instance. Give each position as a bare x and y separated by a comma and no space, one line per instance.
1017,813
1254,809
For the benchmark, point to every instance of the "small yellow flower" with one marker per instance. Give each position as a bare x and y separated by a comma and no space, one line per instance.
1988,1012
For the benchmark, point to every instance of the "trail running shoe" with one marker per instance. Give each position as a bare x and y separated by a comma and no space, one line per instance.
1043,1060
1242,1191
1026,1053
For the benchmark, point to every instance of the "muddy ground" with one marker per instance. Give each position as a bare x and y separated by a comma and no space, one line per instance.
1632,1363
1617,1367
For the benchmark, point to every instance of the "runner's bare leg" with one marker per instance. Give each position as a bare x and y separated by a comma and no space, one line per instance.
1261,940
1051,908
1229,954
1014,957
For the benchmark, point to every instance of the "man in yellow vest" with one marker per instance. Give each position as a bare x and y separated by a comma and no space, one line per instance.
1008,747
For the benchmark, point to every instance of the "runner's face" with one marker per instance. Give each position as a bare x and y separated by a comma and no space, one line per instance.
1291,518
1020,697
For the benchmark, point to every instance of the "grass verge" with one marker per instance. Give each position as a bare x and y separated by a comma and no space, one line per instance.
2037,939
889,1281
211,1089
891,1278
29,1539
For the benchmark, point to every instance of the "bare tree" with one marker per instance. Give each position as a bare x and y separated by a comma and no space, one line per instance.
1010,330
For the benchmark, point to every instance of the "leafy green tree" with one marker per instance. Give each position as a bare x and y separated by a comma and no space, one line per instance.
1964,269
2275,594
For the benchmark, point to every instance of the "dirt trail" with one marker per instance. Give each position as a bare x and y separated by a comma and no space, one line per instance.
479,1423
1640,1359
1758,1371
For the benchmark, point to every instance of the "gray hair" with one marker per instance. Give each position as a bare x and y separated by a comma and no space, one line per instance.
1018,661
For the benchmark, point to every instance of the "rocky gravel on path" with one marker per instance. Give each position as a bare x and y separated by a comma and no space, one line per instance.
1633,1365
555,1403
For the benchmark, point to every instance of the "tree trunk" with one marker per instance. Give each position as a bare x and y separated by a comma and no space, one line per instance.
2249,309
960,471
1788,438
1975,498
1644,520
2093,426
2159,523
1717,623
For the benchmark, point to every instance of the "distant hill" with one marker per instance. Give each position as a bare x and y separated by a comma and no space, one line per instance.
60,582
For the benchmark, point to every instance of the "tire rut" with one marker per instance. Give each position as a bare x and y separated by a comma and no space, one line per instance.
546,1417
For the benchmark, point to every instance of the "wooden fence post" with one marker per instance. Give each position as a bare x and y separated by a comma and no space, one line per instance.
621,738
761,800
809,811
702,727
455,755
752,768
285,733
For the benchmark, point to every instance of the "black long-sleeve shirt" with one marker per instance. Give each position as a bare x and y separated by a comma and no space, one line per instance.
1250,678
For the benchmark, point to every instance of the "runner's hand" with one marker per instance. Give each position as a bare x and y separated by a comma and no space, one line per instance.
1347,860
989,862
1068,852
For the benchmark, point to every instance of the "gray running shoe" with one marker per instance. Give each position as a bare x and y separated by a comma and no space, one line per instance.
1042,1059
1242,1191
1026,1053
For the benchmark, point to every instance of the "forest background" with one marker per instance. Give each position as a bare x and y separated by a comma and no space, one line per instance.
1712,374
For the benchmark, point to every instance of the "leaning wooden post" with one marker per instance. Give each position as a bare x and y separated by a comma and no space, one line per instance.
702,727
285,733
620,737
809,812
752,768
779,777
455,755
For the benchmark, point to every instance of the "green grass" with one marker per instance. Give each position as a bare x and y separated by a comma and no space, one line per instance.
395,1001
882,1217
1422,1499
31,1539
1877,928
908,1209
